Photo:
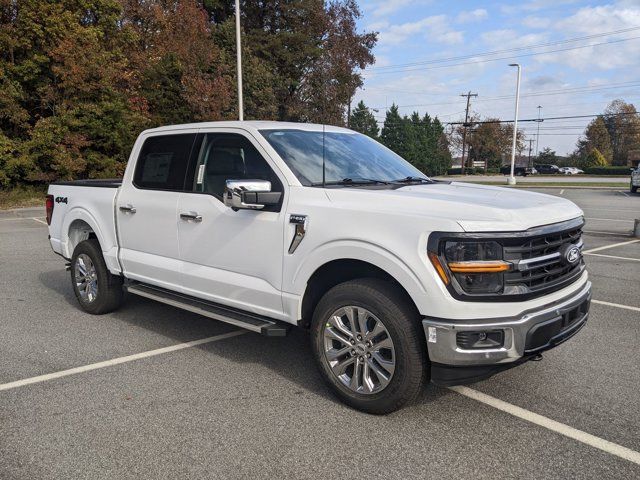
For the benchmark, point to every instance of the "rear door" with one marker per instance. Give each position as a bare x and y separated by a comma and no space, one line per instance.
146,209
231,257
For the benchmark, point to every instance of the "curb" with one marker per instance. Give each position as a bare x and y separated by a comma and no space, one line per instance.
23,212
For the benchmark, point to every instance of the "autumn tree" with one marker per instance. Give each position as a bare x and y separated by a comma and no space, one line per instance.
363,121
623,124
79,79
490,141
596,137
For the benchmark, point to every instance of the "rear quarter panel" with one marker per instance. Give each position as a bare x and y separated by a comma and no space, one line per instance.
91,205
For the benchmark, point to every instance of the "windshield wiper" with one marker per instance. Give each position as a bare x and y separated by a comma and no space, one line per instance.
354,182
412,180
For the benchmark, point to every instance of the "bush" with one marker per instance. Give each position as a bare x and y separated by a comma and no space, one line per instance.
607,170
467,171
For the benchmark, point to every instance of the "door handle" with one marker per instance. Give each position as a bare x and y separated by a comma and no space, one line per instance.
191,216
128,208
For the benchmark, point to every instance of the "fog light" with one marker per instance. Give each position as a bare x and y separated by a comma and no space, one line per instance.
486,339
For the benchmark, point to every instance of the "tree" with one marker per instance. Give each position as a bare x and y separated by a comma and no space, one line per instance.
596,136
490,142
79,79
393,134
363,121
623,124
420,141
595,159
547,156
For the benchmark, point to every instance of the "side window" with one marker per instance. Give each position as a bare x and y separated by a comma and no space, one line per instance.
229,156
162,163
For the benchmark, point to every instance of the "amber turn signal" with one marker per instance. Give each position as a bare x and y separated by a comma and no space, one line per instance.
439,268
488,266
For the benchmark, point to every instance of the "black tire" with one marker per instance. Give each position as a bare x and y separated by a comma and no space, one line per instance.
109,287
632,188
389,304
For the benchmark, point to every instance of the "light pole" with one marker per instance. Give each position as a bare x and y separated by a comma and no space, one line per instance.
512,179
239,62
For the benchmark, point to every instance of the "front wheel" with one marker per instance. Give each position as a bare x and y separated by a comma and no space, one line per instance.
97,290
369,346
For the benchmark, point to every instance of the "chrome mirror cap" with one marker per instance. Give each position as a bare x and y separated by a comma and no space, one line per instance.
235,190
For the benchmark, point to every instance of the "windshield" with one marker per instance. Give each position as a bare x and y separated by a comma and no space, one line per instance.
348,156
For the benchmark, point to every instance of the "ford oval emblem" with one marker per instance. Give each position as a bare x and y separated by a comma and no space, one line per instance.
572,255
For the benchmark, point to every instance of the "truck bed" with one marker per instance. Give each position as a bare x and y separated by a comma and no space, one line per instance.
103,183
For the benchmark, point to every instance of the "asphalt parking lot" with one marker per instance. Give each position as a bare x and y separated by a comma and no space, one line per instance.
246,406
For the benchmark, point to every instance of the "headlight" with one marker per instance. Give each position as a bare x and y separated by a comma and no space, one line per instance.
475,267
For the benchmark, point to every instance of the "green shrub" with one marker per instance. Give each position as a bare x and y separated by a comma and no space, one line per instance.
607,170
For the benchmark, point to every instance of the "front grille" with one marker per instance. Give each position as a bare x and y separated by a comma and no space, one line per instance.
539,261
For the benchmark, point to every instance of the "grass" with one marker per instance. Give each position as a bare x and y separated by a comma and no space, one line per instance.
23,196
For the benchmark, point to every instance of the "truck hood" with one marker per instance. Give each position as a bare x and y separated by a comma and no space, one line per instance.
476,208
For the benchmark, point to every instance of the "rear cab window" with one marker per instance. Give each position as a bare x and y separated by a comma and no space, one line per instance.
162,163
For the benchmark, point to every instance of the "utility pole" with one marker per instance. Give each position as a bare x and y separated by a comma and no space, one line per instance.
466,125
530,143
538,132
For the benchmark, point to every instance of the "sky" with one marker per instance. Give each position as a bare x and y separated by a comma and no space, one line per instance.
429,52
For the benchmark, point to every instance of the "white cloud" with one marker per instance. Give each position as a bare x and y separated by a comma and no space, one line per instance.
534,22
604,18
435,28
589,20
533,6
507,38
387,7
470,16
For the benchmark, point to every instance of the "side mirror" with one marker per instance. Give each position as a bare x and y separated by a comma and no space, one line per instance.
249,194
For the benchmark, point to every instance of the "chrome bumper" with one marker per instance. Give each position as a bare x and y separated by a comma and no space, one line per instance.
522,335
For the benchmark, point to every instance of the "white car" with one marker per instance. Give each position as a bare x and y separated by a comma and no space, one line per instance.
570,170
269,225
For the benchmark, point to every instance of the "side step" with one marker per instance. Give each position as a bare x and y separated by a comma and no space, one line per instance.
250,321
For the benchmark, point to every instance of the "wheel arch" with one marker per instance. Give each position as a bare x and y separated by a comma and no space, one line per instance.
80,224
337,271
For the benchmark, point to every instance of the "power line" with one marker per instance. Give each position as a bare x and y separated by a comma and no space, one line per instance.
507,50
563,91
501,58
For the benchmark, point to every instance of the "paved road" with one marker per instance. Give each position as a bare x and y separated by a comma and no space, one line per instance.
254,407
536,179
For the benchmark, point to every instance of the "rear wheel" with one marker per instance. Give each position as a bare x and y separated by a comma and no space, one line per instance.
369,346
632,187
97,290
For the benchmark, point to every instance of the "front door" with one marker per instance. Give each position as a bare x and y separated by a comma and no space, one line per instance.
231,257
147,210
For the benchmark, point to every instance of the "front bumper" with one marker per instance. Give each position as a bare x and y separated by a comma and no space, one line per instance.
524,336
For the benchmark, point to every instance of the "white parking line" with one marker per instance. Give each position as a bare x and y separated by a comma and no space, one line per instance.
118,361
38,220
617,305
611,246
614,256
561,428
561,191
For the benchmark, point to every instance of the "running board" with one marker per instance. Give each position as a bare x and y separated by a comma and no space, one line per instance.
250,321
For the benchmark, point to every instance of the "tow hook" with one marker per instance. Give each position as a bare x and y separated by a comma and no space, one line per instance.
537,357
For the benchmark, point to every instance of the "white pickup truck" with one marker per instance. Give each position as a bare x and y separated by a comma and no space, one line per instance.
266,225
